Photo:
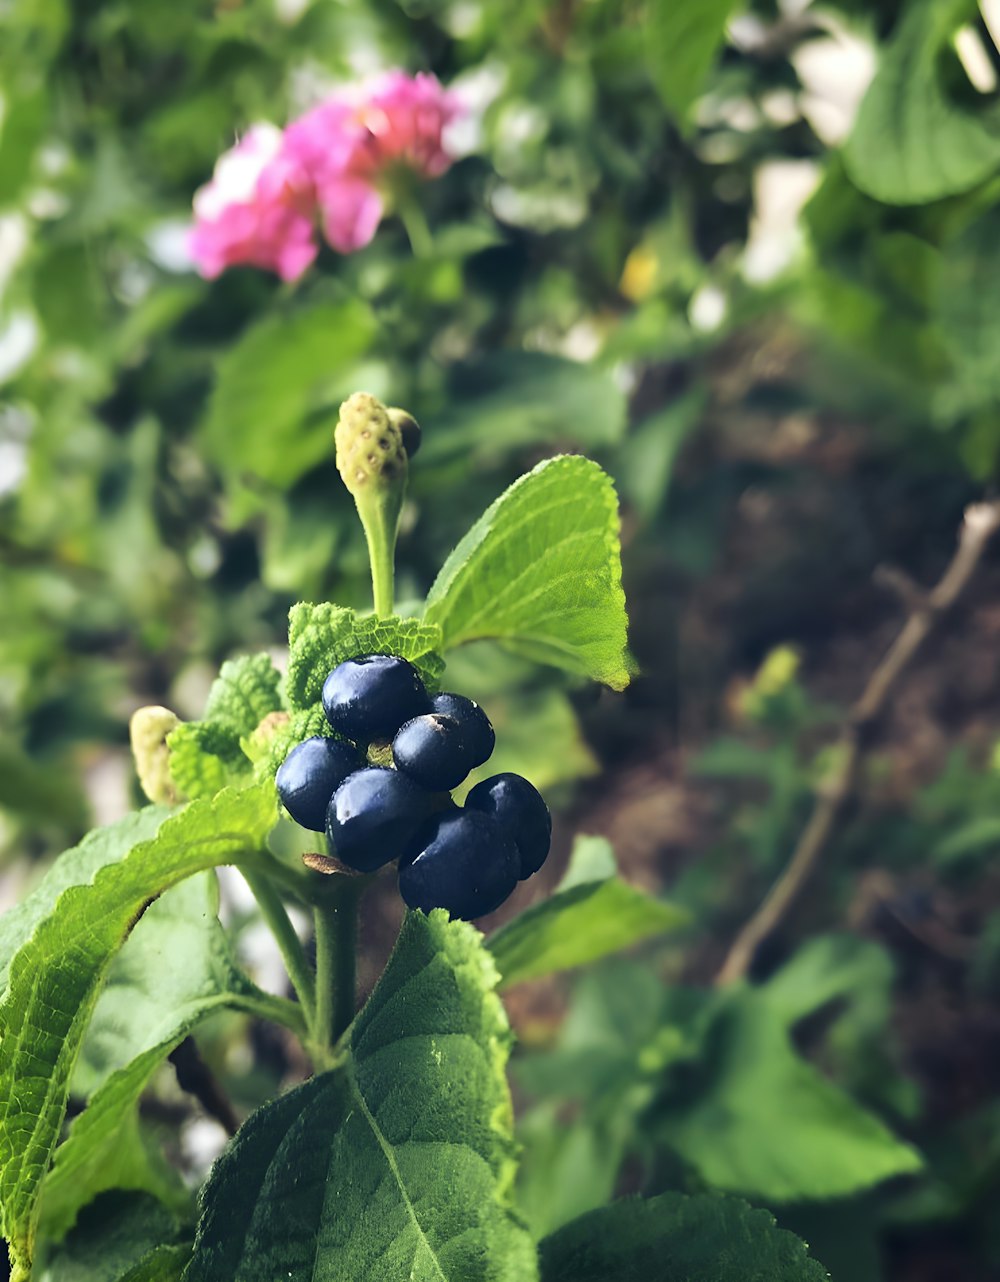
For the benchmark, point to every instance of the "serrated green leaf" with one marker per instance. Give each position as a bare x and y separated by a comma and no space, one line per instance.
911,141
268,751
278,390
55,978
73,868
581,923
512,400
203,759
541,571
399,1162
243,693
757,1119
683,38
122,1238
321,636
147,1007
690,1239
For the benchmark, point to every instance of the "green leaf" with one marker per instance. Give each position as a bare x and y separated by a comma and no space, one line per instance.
754,1118
690,1239
968,305
147,1007
55,979
278,391
581,923
683,37
122,1238
73,868
912,142
399,1162
321,636
512,400
207,755
541,571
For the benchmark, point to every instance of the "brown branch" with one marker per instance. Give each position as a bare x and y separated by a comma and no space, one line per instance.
196,1078
982,520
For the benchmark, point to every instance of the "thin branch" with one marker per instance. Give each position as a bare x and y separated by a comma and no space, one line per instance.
197,1079
982,520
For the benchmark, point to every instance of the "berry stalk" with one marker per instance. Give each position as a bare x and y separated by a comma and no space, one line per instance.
336,923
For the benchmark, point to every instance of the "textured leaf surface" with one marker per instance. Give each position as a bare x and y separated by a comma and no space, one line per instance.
72,868
511,400
279,388
759,1120
584,921
911,142
55,978
175,969
321,636
398,1164
684,36
122,1238
207,755
684,1239
541,571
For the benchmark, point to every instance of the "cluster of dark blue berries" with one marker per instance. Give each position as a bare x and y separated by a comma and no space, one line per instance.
468,859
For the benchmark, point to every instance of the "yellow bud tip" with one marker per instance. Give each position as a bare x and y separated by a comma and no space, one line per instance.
148,730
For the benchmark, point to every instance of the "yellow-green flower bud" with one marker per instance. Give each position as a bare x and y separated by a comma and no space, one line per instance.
148,730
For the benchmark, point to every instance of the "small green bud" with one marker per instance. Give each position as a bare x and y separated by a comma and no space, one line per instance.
370,450
148,730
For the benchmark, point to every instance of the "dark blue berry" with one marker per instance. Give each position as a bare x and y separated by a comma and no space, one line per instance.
373,816
433,751
462,861
519,809
368,699
310,775
476,727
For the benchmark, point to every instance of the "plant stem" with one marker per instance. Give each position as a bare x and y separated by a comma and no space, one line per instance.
382,555
274,913
415,225
336,918
279,1010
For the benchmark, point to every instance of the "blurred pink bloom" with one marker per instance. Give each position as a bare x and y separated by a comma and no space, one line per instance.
335,164
257,210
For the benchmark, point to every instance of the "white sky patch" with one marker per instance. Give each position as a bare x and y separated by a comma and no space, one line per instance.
835,73
974,58
990,9
13,242
781,188
707,309
18,339
167,243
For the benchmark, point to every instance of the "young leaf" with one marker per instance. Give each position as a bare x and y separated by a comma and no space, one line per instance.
697,1239
541,571
684,36
584,921
911,142
399,1162
321,636
56,975
243,693
148,1005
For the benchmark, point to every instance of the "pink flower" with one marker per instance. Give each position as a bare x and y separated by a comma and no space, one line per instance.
257,210
401,122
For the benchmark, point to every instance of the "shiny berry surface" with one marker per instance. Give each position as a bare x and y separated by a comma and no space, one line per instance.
433,751
475,724
369,698
310,775
462,861
373,816
519,809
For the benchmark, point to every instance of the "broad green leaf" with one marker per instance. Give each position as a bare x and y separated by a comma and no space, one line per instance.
55,979
26,789
123,1237
399,1162
756,1119
148,1005
968,306
321,636
683,38
513,400
207,755
581,923
912,142
690,1239
72,868
541,571
278,391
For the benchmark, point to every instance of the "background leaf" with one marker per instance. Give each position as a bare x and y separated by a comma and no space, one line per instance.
399,1162
541,571
55,978
697,1239
683,37
122,1238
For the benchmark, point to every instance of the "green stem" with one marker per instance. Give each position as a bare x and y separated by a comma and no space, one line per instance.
274,913
336,918
380,531
415,225
279,1010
